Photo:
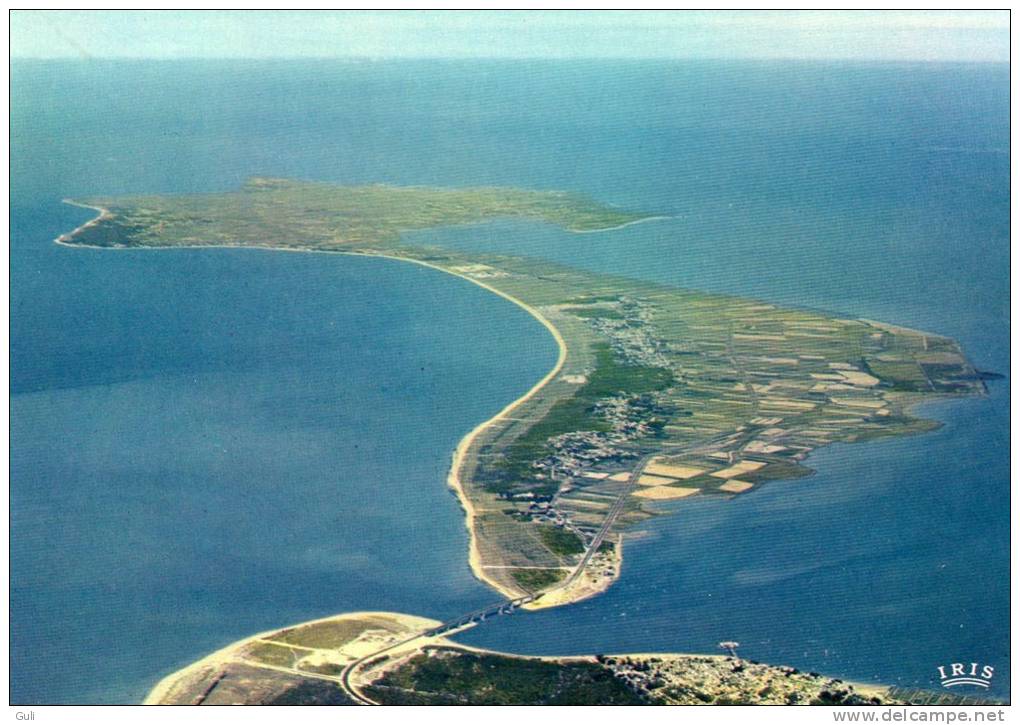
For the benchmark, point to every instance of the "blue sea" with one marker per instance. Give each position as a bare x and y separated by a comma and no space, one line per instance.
210,443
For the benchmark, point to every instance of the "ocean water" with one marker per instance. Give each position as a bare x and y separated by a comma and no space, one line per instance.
210,443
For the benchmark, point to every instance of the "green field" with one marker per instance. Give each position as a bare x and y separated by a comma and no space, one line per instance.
327,634
537,579
289,213
561,541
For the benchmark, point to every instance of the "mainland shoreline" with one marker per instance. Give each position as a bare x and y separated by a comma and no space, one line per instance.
331,653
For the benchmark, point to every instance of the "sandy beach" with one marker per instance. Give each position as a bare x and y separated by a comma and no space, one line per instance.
621,226
453,480
220,657
104,214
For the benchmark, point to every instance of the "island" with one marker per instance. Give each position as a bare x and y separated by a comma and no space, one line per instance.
658,395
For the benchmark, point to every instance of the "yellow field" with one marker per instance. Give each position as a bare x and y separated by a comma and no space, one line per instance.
735,486
862,379
646,480
663,469
666,492
738,469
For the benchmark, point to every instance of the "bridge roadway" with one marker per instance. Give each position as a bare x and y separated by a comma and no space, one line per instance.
477,616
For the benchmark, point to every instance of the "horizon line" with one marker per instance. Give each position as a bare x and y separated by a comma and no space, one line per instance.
385,58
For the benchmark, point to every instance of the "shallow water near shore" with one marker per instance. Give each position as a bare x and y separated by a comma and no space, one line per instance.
211,443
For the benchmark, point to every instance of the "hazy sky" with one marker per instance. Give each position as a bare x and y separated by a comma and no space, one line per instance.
862,35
